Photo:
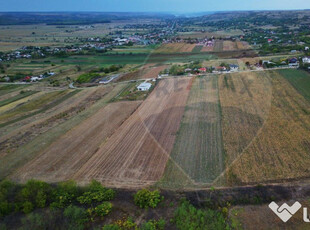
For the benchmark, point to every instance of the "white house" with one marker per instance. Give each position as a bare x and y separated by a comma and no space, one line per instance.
306,60
145,86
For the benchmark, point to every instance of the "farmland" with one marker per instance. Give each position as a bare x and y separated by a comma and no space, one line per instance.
22,140
136,154
175,48
300,80
265,138
197,156
70,151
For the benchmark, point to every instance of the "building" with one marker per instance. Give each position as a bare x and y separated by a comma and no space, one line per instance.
234,68
145,86
306,60
293,62
202,70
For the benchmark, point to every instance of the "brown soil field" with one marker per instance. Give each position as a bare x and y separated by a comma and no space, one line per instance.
229,45
28,129
147,71
236,54
48,126
71,151
207,49
270,148
175,48
137,153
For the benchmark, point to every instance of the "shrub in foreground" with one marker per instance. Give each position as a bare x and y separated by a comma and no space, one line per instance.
146,198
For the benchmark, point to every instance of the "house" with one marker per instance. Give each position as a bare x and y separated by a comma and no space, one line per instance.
221,68
233,68
145,86
306,60
202,70
293,62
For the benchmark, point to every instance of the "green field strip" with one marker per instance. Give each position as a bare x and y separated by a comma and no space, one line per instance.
17,97
197,49
197,157
299,79
45,107
8,88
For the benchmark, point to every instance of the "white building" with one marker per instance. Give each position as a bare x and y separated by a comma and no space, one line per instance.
145,86
306,60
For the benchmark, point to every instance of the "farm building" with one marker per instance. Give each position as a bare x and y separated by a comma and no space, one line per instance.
144,86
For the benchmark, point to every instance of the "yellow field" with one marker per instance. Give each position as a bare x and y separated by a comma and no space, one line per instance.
175,48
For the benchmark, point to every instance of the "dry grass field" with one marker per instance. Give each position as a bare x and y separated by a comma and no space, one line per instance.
266,134
136,154
230,45
197,157
175,48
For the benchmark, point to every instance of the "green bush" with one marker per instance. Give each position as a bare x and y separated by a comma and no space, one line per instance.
146,198
32,195
96,193
64,194
188,217
33,221
5,208
154,225
103,209
27,207
123,224
76,217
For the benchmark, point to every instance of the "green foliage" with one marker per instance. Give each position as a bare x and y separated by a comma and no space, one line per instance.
27,207
188,217
123,224
87,77
96,193
34,194
76,217
176,70
5,208
64,194
102,210
154,225
6,189
33,221
146,198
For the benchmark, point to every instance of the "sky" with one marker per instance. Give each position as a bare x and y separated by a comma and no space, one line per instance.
182,6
